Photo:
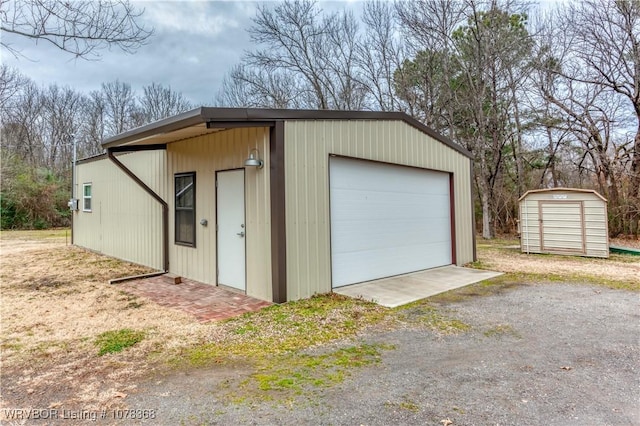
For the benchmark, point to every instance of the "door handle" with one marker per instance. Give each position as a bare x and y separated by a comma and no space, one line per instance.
241,234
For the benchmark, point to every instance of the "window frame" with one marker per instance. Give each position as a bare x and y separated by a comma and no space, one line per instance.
177,209
85,197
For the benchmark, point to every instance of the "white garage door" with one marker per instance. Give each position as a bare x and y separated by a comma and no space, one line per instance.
386,220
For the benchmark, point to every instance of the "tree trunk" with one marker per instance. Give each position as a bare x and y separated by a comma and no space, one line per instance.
487,222
634,191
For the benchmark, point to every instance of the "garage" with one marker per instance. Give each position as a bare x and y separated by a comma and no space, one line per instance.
387,220
308,201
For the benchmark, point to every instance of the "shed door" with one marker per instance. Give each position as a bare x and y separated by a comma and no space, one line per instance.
562,226
231,228
386,220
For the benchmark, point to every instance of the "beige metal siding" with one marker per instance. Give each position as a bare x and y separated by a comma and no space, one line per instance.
125,222
308,145
581,231
562,226
224,150
529,226
596,227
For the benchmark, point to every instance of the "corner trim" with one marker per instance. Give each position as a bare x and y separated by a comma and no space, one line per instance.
452,215
473,210
278,206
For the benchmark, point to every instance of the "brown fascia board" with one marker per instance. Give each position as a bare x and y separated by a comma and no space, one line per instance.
91,159
177,122
247,115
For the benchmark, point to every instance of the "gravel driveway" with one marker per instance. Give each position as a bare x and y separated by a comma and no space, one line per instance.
551,354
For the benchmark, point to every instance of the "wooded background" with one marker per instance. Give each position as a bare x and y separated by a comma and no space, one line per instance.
542,97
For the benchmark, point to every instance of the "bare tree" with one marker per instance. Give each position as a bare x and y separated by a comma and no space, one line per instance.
23,127
294,38
81,28
120,107
159,102
250,87
463,82
309,58
492,49
424,82
94,125
62,113
590,63
312,54
379,54
11,82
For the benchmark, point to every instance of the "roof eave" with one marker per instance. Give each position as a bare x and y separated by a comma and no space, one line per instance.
177,122
248,115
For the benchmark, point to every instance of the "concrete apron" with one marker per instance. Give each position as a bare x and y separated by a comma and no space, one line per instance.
403,289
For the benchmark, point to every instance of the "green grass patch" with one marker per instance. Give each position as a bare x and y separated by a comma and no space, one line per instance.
285,328
501,330
405,404
13,346
281,378
570,278
624,258
117,340
423,313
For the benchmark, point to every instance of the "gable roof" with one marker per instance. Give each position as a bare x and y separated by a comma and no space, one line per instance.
205,120
589,191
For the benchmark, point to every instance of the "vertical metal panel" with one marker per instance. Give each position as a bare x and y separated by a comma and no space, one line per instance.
205,155
125,222
307,148
529,226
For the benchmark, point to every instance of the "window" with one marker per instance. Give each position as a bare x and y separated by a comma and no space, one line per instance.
185,184
86,197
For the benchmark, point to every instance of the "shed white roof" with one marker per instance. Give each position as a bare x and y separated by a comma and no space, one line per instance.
590,191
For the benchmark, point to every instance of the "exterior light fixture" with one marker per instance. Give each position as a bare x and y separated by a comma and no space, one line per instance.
254,160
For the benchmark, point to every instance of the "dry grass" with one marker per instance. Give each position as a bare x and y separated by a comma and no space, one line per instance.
618,271
625,242
56,302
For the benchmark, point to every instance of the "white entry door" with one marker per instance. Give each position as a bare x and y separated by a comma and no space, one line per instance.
231,229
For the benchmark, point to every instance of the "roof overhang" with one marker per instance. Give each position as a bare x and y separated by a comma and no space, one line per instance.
205,120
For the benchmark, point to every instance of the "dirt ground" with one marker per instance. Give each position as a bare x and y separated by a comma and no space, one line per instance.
55,301
534,354
507,257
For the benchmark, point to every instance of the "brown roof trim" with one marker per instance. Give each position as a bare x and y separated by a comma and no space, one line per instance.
591,191
180,121
239,117
93,158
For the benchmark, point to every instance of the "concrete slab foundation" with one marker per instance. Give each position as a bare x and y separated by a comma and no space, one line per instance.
403,289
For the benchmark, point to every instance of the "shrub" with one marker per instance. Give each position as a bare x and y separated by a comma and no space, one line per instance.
32,198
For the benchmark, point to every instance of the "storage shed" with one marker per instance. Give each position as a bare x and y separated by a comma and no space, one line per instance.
564,221
279,204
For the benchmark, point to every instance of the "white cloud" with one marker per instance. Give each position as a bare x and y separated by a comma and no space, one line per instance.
198,18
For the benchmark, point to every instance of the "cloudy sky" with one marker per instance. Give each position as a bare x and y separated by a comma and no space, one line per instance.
194,45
